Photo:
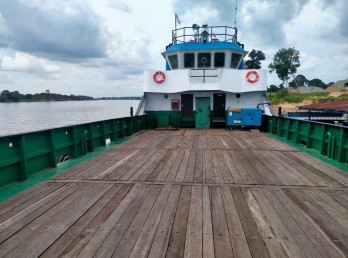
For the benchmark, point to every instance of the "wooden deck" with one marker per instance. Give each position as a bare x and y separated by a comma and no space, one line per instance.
186,193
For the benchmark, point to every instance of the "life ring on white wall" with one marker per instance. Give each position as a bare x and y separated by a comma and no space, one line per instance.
250,78
159,76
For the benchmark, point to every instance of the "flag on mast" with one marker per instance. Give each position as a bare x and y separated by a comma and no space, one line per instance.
177,19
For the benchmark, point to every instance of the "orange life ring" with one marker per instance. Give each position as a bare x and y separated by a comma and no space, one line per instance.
159,76
252,80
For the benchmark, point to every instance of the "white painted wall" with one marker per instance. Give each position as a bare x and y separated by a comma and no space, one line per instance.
157,101
228,80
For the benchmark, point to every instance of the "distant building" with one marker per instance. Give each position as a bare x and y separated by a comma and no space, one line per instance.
303,89
309,89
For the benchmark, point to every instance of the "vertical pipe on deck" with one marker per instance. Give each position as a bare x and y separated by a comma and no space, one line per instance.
323,133
53,152
333,146
329,141
279,132
288,130
23,169
309,135
122,128
340,146
114,131
103,133
91,137
75,153
296,131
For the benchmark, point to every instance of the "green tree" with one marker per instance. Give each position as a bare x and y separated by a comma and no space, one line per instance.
285,63
300,79
255,58
317,82
274,88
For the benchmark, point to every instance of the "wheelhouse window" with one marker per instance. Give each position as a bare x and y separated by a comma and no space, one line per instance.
204,59
219,59
173,60
235,59
189,60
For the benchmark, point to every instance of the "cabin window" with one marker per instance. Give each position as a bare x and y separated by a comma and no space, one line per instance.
219,59
173,60
235,60
189,60
204,59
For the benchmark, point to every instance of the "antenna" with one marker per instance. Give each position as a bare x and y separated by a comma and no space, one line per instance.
235,15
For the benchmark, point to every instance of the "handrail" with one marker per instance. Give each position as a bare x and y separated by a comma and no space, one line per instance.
220,33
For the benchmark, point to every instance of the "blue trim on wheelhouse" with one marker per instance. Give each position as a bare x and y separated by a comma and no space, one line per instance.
204,46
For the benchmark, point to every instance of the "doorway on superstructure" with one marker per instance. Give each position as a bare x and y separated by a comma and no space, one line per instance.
187,115
219,110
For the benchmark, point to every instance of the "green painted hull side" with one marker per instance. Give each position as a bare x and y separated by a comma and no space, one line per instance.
14,188
169,118
327,141
26,154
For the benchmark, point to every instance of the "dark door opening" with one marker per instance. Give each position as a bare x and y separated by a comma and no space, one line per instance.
187,105
219,103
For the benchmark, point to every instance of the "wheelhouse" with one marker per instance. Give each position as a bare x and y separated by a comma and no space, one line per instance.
204,48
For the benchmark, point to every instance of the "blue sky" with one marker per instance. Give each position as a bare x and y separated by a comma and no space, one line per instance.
100,48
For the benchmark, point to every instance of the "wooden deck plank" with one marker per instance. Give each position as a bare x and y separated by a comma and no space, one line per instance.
330,206
222,242
185,193
183,166
238,162
137,164
317,237
329,225
65,239
208,237
94,244
10,210
173,171
161,239
176,246
256,244
26,216
226,173
144,242
190,171
198,176
113,239
283,235
274,248
238,240
193,244
79,241
294,229
47,233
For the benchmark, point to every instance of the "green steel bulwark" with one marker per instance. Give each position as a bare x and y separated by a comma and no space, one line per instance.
25,154
328,140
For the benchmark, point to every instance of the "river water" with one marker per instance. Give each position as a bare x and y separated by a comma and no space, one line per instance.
33,116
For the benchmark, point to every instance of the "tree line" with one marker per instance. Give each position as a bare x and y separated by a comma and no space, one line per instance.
285,63
15,96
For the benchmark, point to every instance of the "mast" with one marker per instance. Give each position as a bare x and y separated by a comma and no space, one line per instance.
235,37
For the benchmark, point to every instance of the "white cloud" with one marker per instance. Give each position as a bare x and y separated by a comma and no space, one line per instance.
22,62
100,48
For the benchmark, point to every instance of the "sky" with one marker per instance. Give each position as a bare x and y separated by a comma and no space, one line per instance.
100,48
